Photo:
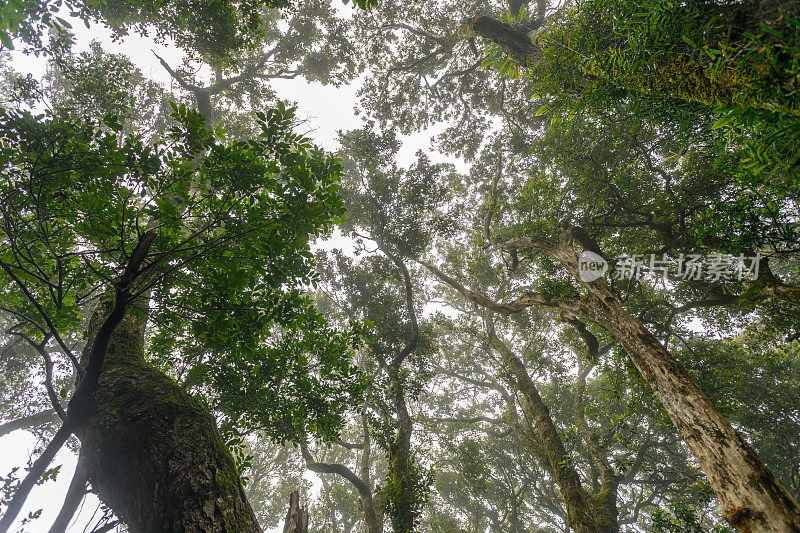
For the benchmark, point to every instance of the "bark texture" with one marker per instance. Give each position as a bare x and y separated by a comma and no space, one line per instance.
559,461
400,457
151,452
296,516
675,75
752,499
587,512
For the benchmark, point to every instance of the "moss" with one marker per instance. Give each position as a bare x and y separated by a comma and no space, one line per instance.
154,454
679,76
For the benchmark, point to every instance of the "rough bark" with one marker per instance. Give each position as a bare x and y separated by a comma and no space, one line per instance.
769,286
151,452
674,75
514,40
752,498
296,516
400,455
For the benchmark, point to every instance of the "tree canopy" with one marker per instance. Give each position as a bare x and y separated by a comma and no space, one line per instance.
573,308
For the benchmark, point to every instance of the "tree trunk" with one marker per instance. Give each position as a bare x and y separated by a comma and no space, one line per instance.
296,517
676,75
753,500
404,519
580,514
152,453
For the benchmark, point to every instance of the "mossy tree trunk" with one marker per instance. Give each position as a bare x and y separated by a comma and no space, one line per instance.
752,499
670,74
404,518
152,453
583,508
405,500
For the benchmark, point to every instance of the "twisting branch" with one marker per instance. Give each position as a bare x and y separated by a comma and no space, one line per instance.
566,475
204,94
598,454
335,468
48,370
522,302
412,343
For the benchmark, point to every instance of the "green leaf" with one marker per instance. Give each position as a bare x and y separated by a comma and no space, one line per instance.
722,121
6,40
542,110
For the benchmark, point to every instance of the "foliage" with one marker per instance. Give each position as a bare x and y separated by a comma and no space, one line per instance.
233,219
406,496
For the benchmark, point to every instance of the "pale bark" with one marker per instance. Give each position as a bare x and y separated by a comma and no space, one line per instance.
296,516
752,498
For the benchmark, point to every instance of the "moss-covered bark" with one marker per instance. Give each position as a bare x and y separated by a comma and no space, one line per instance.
154,454
404,516
583,508
673,75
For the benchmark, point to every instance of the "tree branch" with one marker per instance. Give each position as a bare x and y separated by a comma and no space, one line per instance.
335,468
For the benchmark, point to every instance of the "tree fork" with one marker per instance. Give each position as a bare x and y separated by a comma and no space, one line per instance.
752,499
